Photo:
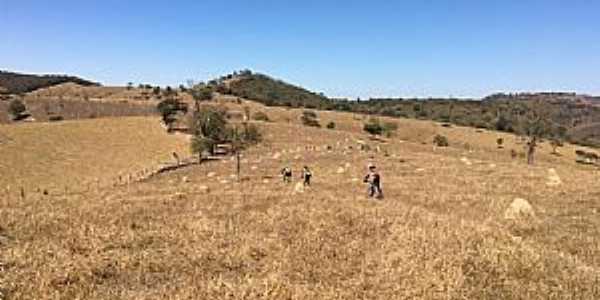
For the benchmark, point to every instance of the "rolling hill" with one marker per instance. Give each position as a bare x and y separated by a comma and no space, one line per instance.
16,83
446,228
558,115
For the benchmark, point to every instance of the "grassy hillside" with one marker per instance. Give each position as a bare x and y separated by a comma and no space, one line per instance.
15,83
563,116
77,153
440,233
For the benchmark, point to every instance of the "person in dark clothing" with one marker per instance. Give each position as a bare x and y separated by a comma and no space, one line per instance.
306,175
374,180
286,173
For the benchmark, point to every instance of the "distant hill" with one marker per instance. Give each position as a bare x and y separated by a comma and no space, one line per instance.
564,116
270,91
16,83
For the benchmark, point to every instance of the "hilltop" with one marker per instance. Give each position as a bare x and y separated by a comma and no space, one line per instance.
16,83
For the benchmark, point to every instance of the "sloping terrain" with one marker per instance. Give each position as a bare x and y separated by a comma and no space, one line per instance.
559,115
78,154
15,83
71,101
440,233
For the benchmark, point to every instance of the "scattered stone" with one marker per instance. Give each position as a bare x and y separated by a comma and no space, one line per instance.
233,176
466,161
553,178
347,165
297,157
211,174
420,170
265,181
519,208
299,188
277,155
493,166
341,170
355,179
254,168
204,189
185,179
224,181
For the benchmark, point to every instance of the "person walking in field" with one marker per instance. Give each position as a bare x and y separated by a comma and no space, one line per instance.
286,174
374,180
306,175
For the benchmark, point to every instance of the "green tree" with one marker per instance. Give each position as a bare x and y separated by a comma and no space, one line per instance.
209,127
202,92
169,108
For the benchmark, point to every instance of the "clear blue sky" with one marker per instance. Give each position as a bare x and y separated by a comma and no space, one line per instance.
341,48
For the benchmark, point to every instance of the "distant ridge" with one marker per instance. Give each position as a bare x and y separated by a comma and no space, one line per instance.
17,83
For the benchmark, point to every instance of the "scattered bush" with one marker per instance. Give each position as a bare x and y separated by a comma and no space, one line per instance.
309,118
500,142
202,92
17,109
373,127
169,109
331,125
440,141
261,116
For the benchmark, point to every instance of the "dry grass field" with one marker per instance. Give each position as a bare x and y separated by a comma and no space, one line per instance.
440,233
75,154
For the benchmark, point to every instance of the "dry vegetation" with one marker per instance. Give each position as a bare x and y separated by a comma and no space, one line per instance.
195,233
75,154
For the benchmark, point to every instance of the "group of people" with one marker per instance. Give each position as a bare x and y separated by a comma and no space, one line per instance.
286,173
373,179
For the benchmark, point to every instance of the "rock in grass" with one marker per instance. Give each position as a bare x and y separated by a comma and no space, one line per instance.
299,188
553,178
519,208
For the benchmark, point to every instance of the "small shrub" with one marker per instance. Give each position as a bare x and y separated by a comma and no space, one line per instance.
500,142
440,141
16,109
261,116
374,127
331,125
202,93
55,118
169,108
309,118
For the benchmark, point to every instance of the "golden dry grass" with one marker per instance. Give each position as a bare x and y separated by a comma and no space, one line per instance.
440,232
76,153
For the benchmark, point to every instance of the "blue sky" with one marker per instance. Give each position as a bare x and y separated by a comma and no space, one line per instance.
342,48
